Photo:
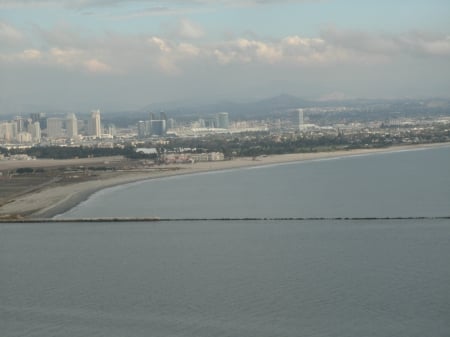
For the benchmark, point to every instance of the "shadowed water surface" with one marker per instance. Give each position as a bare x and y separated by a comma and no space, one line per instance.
383,278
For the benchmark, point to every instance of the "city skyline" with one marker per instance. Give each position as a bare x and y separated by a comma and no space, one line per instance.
119,54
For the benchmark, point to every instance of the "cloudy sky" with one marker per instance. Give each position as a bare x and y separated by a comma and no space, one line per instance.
125,54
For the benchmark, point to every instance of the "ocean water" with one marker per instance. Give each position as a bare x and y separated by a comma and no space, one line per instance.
258,279
243,278
408,183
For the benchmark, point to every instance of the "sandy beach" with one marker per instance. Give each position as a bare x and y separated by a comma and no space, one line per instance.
52,200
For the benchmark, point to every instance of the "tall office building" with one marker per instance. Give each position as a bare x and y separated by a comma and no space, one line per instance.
8,131
142,129
35,116
43,121
35,130
162,116
201,123
39,117
222,120
54,127
170,124
111,130
298,119
158,128
71,125
24,137
22,124
94,124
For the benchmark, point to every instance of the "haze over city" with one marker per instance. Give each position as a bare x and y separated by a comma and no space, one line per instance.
117,55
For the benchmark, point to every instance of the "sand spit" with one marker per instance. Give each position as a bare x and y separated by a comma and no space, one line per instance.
54,200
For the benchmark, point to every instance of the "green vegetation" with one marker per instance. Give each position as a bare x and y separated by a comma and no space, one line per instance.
58,152
24,170
267,144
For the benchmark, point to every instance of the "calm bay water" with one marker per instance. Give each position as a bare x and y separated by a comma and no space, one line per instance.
409,183
249,278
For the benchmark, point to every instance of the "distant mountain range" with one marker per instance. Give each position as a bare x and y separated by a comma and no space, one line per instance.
273,106
283,103
248,109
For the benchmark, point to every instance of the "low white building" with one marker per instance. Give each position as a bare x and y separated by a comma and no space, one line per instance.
211,156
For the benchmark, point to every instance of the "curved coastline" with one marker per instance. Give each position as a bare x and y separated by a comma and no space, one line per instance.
55,201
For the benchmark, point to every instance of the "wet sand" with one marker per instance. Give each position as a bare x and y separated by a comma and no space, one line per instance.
54,200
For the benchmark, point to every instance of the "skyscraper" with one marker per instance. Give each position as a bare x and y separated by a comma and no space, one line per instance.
21,124
94,124
35,116
8,131
158,128
111,129
170,124
162,115
35,130
142,129
222,120
298,120
71,126
54,127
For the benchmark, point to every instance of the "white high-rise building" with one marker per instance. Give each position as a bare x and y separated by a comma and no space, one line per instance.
299,119
94,124
170,124
111,129
24,137
142,129
8,131
35,130
71,126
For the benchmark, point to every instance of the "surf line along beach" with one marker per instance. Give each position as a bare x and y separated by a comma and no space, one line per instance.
54,199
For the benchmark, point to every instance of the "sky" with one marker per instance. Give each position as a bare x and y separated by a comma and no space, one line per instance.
126,54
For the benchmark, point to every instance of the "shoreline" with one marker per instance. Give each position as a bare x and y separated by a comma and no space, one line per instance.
57,200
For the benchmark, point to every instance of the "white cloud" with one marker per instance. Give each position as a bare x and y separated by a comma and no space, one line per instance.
96,66
64,47
162,45
10,35
189,30
426,44
66,57
77,59
188,49
412,43
31,54
246,51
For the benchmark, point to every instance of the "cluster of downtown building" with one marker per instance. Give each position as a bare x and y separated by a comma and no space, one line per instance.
159,126
67,129
40,129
